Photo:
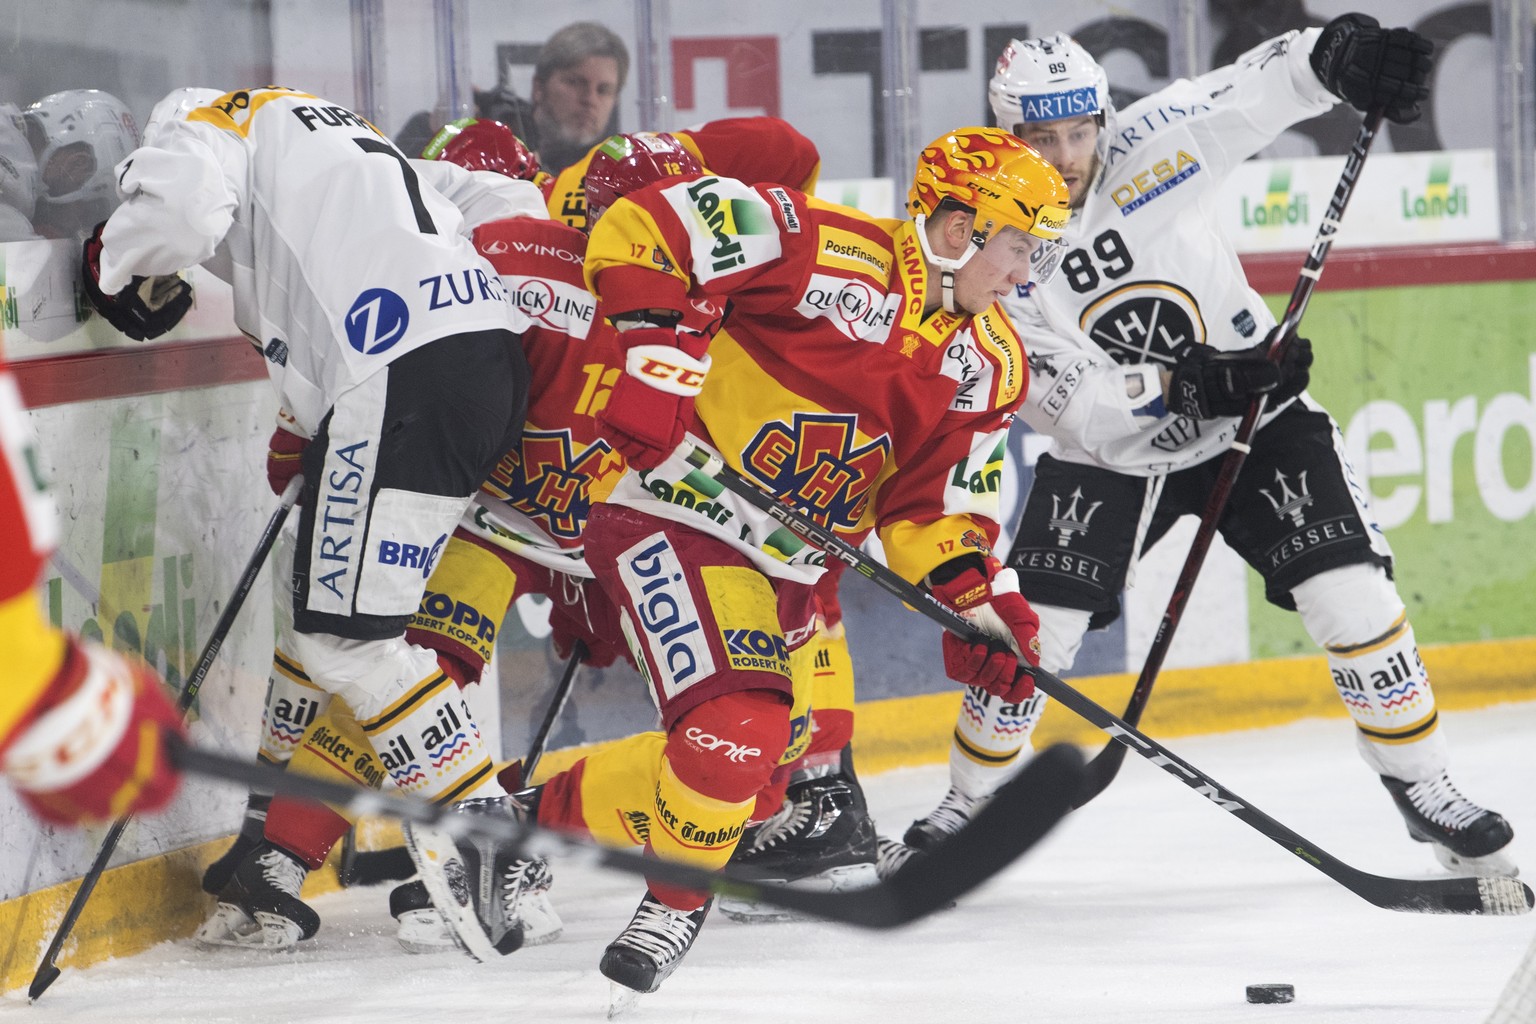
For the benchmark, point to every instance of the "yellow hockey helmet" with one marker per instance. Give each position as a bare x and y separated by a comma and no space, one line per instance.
996,174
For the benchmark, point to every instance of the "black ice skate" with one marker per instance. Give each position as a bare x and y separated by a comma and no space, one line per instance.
419,927
260,907
1465,837
491,901
218,874
647,952
954,812
822,838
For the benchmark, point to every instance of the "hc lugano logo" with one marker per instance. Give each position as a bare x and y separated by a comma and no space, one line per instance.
1144,322
1288,503
1070,521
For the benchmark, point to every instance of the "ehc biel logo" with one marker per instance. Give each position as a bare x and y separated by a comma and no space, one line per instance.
376,321
815,465
547,479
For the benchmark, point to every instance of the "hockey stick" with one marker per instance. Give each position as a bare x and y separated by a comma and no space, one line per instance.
1019,815
370,867
47,970
1106,764
1437,896
557,703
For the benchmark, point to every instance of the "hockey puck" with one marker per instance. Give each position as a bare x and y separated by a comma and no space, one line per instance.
1271,993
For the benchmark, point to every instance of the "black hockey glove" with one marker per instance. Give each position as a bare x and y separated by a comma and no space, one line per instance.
1369,66
144,310
1207,383
1295,372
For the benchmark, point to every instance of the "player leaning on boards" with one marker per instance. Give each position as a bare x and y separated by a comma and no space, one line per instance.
391,345
861,362
1142,354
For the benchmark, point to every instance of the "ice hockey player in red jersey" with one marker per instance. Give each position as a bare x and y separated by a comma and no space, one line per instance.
862,367
81,726
1138,415
754,150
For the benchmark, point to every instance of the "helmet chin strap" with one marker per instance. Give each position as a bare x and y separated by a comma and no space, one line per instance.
945,265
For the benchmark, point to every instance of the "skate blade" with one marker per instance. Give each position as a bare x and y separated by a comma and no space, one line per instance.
541,924
277,931
621,999
443,873
422,932
843,879
1498,864
230,927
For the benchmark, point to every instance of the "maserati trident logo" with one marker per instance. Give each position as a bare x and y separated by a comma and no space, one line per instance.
1288,502
1069,522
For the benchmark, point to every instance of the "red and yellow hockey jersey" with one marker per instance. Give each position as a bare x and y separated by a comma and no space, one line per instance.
535,501
756,150
829,386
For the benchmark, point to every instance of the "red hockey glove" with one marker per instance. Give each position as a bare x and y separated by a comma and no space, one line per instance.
94,748
566,630
284,451
987,595
144,310
652,404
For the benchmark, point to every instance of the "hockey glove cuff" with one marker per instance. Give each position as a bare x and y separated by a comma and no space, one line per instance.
95,748
987,595
1368,66
1295,372
144,310
285,451
652,404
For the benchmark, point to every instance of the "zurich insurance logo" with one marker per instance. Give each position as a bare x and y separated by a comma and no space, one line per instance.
376,321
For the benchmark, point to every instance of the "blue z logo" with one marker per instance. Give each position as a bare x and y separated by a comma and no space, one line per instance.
376,321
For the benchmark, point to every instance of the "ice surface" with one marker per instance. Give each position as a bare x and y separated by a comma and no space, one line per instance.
1150,905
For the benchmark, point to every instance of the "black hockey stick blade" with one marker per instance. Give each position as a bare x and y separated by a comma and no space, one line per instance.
1439,896
1425,896
1018,816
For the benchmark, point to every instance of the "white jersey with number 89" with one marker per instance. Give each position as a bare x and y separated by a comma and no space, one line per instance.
1149,268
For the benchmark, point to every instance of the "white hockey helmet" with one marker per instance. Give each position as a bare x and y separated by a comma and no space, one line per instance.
175,106
18,167
1047,80
79,135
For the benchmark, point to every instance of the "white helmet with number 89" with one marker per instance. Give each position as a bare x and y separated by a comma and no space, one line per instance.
1047,80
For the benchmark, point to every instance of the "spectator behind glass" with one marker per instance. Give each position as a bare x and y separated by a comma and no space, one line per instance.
576,84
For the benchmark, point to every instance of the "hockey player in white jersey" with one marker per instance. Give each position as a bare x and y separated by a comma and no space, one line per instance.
392,346
1145,349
